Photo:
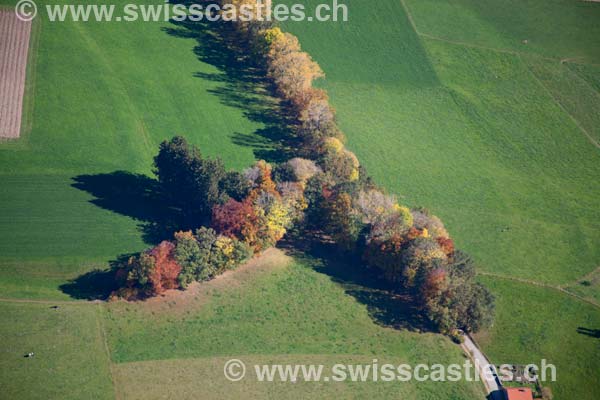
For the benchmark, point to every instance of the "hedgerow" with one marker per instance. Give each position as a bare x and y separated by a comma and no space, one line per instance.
327,189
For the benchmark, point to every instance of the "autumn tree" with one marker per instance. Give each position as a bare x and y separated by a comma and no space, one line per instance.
316,192
193,258
303,169
166,268
423,219
340,222
138,276
236,219
152,272
461,302
317,120
292,70
340,163
235,185
421,255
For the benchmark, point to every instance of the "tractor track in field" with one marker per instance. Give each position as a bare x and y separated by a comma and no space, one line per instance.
556,101
515,53
559,288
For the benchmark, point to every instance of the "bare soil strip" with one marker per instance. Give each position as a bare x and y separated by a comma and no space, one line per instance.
14,44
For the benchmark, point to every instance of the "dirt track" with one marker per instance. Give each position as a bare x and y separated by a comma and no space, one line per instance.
14,43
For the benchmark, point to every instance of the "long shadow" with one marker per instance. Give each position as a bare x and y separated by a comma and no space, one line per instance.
136,196
386,304
496,395
244,86
595,333
93,285
97,284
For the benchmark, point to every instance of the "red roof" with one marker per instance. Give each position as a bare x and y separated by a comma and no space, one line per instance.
518,393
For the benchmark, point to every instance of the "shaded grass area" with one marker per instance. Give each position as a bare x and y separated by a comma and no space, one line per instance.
535,323
290,313
70,360
52,232
468,133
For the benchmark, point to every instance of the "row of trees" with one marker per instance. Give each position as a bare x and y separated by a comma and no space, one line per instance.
327,189
411,248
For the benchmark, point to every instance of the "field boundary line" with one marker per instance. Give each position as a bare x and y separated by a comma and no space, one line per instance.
458,43
582,79
541,284
557,102
410,17
582,278
482,47
100,324
44,301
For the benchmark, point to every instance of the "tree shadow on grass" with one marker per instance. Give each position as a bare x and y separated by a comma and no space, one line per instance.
96,284
133,195
595,333
93,285
136,196
386,304
242,85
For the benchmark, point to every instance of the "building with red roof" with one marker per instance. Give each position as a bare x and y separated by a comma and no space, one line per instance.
518,393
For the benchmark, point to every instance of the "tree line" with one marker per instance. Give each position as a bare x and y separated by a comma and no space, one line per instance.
325,188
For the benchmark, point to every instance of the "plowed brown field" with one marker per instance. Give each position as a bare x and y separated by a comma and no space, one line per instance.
14,43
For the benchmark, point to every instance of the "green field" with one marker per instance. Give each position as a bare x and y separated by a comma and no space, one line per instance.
442,101
544,324
284,312
103,100
70,359
100,99
445,105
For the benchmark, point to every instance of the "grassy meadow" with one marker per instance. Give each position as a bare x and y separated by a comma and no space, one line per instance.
545,324
70,360
487,114
444,104
101,98
282,312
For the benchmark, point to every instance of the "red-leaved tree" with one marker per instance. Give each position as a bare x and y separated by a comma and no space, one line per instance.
166,269
237,220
